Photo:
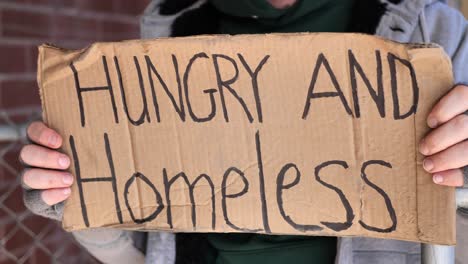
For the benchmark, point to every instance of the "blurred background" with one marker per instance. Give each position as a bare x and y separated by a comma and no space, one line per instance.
24,24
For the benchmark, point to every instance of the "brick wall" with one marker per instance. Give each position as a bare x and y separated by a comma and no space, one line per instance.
24,24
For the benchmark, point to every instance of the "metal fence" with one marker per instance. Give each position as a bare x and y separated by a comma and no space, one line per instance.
25,237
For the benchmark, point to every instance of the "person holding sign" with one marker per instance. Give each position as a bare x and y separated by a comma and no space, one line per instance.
446,149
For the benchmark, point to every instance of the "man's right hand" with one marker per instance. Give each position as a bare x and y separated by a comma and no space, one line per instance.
45,180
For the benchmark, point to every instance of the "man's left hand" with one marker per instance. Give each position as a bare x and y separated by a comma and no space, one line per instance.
446,146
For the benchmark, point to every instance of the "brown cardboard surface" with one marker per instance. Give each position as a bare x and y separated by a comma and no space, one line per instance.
311,134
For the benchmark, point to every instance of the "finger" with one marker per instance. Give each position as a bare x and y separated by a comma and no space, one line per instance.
39,133
55,196
451,158
452,177
34,202
447,135
451,105
46,179
42,157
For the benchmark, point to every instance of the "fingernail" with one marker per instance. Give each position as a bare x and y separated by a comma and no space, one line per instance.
428,164
64,161
437,178
53,140
423,148
67,179
66,191
432,122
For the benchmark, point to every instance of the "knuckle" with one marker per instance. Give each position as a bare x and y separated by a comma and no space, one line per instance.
438,113
435,110
461,123
49,181
464,150
42,136
24,153
438,160
25,179
33,128
43,180
34,153
461,91
30,129
430,143
25,176
50,157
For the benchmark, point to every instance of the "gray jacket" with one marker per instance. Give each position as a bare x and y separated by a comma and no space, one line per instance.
420,21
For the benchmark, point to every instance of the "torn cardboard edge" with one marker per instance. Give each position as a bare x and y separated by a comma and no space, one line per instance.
426,231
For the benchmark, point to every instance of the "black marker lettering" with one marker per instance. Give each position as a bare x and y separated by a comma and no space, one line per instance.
210,92
322,60
80,180
226,195
178,107
80,90
254,76
378,96
394,81
227,84
159,201
340,226
280,186
144,111
191,187
261,180
388,202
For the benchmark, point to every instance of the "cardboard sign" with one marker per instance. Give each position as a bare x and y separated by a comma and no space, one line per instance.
309,134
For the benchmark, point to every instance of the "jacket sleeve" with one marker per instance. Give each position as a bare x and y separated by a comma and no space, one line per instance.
107,245
112,245
448,28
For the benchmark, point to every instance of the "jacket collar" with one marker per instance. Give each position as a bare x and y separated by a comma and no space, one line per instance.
401,20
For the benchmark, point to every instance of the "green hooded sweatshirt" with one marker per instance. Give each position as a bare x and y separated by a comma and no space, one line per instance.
258,16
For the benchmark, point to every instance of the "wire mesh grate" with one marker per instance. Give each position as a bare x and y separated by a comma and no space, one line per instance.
25,237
